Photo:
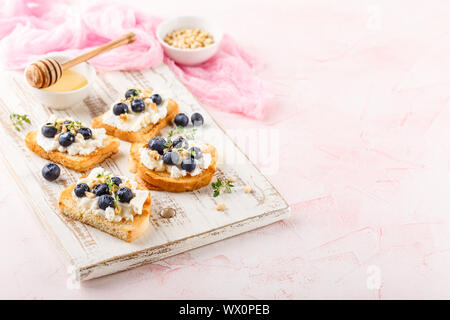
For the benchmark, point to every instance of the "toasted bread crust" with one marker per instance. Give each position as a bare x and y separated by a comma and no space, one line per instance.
80,163
162,181
142,135
128,231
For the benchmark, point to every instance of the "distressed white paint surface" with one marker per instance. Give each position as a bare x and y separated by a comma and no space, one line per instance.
197,223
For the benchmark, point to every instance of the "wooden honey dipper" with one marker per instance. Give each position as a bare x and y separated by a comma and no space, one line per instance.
45,72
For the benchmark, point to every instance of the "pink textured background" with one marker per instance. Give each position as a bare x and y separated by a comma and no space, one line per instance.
362,111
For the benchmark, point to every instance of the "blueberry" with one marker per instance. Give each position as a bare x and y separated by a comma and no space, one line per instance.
131,92
181,120
105,201
124,195
120,108
180,142
48,130
138,105
156,98
171,158
51,172
188,164
86,133
195,152
66,139
197,119
116,180
157,144
100,189
80,190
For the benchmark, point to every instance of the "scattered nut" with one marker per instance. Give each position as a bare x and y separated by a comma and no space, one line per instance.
90,195
184,153
167,213
248,189
123,116
221,207
154,155
189,38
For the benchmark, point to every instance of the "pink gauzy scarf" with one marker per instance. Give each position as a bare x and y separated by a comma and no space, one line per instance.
30,29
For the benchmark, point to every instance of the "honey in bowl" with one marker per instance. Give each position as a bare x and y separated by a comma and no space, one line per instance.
70,80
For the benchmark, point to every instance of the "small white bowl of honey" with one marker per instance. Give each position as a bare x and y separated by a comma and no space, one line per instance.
71,89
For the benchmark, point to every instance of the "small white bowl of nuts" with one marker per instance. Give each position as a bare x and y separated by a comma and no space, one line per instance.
189,40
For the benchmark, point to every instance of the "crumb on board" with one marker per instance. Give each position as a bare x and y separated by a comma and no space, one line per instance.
231,179
247,189
221,207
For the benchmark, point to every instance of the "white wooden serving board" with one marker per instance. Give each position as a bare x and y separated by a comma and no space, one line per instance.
197,222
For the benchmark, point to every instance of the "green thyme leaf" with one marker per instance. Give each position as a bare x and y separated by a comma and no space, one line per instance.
138,92
218,186
191,135
111,185
74,125
19,120
168,143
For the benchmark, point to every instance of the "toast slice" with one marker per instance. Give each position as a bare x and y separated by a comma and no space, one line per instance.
144,134
162,181
80,163
127,231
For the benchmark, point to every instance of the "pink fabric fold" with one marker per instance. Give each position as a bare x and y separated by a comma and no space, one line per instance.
31,29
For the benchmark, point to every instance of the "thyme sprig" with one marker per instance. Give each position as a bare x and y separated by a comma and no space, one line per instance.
74,125
112,187
219,186
19,120
191,134
138,93
180,131
168,143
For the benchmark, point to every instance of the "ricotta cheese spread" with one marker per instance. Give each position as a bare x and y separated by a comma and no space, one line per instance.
80,145
154,161
135,121
121,210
